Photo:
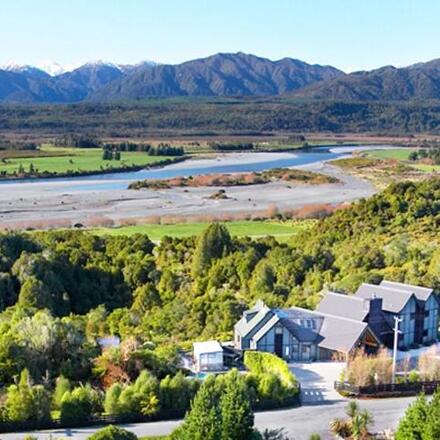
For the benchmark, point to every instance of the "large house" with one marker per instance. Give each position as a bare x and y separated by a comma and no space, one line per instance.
341,323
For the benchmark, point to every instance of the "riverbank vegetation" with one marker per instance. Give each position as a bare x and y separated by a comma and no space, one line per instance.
379,169
255,178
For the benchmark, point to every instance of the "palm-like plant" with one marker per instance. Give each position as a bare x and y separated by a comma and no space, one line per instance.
341,428
356,427
352,409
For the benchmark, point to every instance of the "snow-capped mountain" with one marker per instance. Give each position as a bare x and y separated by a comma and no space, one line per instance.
25,70
53,68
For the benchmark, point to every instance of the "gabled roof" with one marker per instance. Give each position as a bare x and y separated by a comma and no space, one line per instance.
303,324
336,332
421,293
244,326
346,306
394,300
341,334
266,327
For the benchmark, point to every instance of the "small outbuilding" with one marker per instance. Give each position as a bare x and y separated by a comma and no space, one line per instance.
208,356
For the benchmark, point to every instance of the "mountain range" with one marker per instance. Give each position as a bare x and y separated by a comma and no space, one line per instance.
223,74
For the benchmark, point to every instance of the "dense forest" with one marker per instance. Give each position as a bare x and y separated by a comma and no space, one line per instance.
205,116
61,291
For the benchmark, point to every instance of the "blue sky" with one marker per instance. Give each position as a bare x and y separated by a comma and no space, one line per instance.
349,34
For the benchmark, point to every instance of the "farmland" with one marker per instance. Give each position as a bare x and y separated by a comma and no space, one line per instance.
279,230
73,161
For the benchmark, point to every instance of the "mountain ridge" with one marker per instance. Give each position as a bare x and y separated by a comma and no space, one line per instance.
222,74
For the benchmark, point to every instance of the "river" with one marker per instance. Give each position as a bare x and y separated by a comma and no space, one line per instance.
222,163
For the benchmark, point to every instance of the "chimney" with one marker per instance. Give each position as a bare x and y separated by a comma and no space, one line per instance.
376,304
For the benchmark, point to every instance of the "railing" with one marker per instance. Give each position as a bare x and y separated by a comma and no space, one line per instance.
32,425
386,390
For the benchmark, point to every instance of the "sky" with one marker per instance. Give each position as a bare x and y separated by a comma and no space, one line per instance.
348,34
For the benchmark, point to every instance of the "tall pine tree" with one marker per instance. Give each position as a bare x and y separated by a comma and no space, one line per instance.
203,421
236,413
215,242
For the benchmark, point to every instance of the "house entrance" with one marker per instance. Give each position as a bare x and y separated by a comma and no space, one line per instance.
279,341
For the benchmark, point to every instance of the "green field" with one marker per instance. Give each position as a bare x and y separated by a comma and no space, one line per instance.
392,153
77,160
237,228
402,154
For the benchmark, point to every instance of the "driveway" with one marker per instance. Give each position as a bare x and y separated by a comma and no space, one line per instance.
317,379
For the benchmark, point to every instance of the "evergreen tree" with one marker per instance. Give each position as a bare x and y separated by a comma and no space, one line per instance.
432,427
34,293
26,401
111,401
215,242
236,414
62,387
412,425
203,422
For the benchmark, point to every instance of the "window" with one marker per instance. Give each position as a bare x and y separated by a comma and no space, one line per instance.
413,315
425,332
426,313
278,330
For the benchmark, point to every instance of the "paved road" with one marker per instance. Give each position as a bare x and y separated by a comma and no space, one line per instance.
297,423
321,404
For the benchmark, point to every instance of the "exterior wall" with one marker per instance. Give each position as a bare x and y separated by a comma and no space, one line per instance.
431,320
407,325
210,362
245,343
324,354
292,349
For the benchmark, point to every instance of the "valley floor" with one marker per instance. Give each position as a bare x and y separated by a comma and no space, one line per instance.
43,204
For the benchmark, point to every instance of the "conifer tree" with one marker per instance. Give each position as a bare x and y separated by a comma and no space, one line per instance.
236,414
203,421
62,387
215,242
412,425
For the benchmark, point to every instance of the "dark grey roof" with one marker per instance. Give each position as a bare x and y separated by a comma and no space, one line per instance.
336,333
244,326
327,330
394,300
421,293
303,324
341,334
346,306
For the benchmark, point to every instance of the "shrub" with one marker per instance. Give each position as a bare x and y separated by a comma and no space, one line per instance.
80,403
26,401
270,377
112,432
140,397
364,370
259,363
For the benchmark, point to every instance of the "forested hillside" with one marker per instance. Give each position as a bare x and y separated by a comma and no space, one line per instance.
59,291
223,116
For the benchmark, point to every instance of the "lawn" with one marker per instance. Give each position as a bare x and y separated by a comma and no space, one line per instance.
282,230
392,153
77,160
402,154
